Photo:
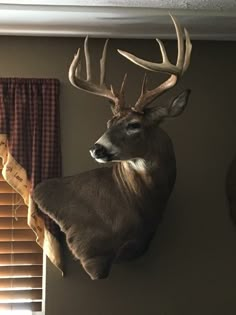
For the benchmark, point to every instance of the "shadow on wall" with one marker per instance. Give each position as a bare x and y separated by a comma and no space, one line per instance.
231,188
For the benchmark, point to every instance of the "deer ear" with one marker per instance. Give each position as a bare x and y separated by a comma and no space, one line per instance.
175,108
178,104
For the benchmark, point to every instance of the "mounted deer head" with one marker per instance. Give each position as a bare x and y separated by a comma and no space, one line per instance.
110,214
129,123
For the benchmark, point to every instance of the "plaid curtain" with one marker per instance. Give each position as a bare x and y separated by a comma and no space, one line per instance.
30,147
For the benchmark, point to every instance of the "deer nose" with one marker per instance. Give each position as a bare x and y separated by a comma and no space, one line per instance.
98,151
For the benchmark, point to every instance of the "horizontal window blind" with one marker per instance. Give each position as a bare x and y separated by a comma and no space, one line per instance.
21,258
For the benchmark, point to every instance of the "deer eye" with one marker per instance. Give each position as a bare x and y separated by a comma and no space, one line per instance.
133,127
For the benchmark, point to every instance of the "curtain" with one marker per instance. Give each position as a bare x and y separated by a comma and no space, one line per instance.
30,148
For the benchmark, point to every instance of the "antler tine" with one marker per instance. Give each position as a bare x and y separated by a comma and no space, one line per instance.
103,63
87,85
87,59
121,94
74,68
188,50
176,70
143,92
122,88
180,40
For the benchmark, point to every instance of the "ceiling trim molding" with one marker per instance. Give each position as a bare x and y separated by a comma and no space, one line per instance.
114,22
218,5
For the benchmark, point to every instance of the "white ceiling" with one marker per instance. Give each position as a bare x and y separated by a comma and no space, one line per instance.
205,19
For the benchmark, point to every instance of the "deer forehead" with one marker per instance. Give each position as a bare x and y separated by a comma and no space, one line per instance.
123,119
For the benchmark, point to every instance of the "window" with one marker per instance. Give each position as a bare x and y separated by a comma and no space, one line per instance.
21,258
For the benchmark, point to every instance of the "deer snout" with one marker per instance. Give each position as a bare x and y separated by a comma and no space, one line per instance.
100,153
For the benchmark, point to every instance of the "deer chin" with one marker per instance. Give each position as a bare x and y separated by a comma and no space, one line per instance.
102,161
108,157
105,159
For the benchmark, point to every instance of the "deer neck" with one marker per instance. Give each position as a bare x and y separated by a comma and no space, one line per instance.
142,174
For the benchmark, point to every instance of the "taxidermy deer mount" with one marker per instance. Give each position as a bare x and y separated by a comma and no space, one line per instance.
110,214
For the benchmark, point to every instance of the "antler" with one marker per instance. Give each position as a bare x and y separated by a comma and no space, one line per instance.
87,85
176,71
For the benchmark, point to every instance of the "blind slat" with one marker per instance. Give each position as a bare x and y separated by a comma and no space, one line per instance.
21,259
19,247
35,294
17,235
23,271
6,199
6,188
32,306
7,211
9,223
21,283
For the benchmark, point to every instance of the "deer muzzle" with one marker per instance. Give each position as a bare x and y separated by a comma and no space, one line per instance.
100,153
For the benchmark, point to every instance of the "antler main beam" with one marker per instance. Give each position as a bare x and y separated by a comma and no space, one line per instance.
176,71
87,85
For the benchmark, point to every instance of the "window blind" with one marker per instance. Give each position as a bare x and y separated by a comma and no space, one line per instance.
21,257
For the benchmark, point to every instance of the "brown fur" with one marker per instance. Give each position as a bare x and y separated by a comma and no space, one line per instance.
110,214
